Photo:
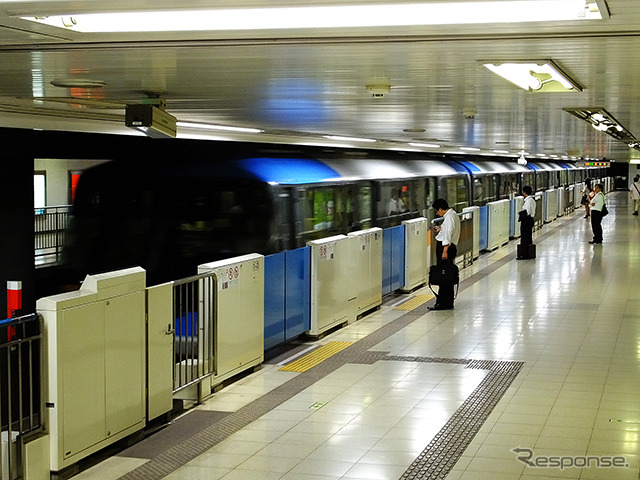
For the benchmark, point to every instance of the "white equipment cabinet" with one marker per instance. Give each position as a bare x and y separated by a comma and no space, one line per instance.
333,299
95,362
160,362
239,314
551,205
366,247
517,205
475,210
498,224
560,192
416,257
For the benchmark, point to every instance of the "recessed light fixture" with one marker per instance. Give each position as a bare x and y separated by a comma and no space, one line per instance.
224,128
535,76
600,119
335,16
78,83
414,130
349,139
470,149
424,145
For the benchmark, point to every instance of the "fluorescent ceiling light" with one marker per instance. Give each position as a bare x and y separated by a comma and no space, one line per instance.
470,149
225,128
338,16
535,76
424,145
600,119
349,139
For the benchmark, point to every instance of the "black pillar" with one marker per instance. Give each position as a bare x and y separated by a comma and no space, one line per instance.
17,236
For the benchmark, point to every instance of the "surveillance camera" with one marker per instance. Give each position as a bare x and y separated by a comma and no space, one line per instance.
379,90
469,113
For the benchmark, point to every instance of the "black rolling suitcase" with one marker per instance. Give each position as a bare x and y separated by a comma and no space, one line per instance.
526,252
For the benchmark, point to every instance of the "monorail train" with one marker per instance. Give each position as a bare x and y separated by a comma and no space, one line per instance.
170,215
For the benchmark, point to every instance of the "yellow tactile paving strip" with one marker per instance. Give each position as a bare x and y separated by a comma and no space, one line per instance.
314,358
415,302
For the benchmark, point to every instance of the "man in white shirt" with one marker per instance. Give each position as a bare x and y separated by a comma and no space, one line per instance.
527,221
596,214
394,207
634,190
448,235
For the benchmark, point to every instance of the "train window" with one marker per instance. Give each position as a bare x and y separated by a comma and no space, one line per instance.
430,197
282,220
419,198
484,188
455,191
543,181
317,212
394,203
529,178
364,207
346,207
564,177
509,185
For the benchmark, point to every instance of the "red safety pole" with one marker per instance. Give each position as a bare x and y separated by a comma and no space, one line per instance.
14,303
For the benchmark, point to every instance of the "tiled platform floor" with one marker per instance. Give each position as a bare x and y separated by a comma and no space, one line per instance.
558,345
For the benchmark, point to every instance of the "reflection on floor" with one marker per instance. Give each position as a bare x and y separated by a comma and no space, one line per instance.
535,374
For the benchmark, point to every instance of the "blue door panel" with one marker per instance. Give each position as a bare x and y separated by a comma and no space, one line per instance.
298,292
274,312
484,227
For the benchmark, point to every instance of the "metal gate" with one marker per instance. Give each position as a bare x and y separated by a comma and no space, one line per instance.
194,327
21,389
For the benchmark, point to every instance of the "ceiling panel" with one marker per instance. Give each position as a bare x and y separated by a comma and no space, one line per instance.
302,87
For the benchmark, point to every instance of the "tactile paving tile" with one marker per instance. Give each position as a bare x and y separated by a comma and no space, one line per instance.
369,358
442,453
415,302
461,361
437,458
318,355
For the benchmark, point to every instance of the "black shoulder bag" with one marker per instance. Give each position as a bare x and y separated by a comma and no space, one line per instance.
444,274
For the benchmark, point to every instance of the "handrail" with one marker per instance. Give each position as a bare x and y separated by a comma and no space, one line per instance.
50,224
193,332
21,385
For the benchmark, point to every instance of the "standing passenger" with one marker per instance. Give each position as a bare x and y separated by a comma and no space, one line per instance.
394,205
587,196
526,225
448,235
596,214
634,189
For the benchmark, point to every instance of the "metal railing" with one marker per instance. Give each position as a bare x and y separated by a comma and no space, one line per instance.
21,388
49,229
465,243
194,327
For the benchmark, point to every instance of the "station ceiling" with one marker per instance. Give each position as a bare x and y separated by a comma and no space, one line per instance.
395,84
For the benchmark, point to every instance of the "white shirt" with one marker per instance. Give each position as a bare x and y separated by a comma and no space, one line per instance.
450,228
394,206
598,201
635,190
530,205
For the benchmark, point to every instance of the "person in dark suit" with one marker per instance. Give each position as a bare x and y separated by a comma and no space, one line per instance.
448,235
526,220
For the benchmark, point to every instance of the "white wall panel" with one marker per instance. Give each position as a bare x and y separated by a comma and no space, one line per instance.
416,259
333,295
